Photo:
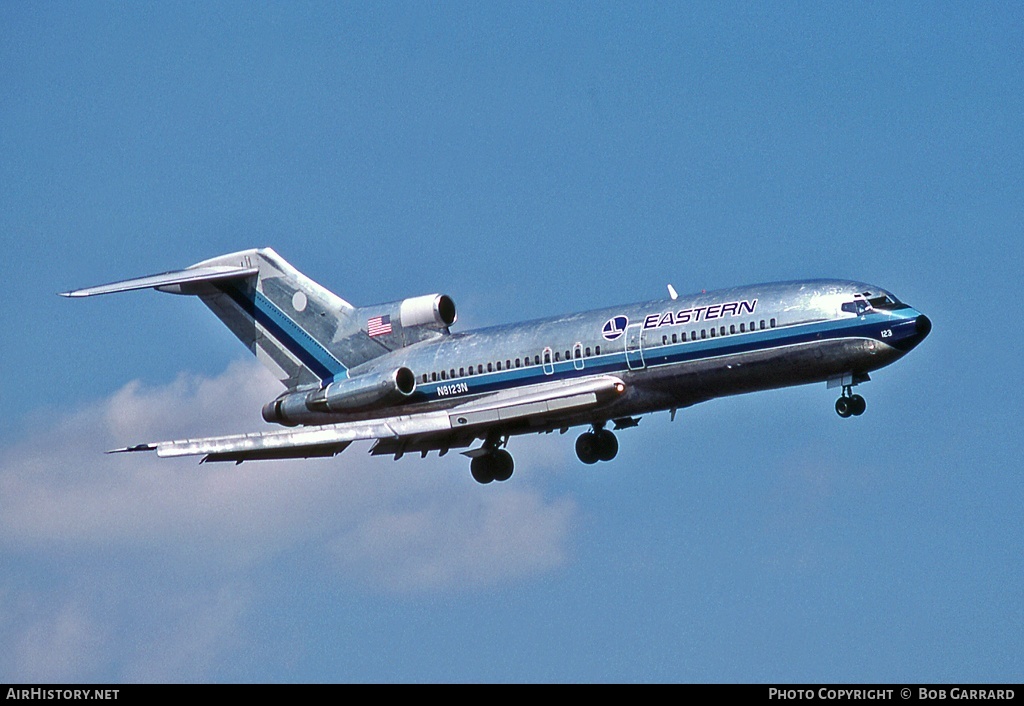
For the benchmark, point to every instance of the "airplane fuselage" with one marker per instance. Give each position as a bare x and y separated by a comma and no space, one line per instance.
670,353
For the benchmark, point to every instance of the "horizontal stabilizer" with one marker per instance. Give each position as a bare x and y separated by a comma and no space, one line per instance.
190,276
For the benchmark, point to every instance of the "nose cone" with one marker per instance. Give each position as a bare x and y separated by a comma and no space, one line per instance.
924,327
912,332
909,332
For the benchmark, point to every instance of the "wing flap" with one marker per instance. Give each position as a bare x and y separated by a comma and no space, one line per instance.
318,451
295,443
193,275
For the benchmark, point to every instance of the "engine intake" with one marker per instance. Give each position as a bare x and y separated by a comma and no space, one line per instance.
434,310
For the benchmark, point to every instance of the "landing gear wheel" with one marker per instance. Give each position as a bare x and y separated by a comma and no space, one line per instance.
858,405
502,465
496,465
850,404
480,467
607,445
586,448
594,446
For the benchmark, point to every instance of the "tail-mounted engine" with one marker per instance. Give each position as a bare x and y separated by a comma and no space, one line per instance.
408,321
435,311
349,395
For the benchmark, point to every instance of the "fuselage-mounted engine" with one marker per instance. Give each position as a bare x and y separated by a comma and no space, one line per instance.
408,321
435,311
348,395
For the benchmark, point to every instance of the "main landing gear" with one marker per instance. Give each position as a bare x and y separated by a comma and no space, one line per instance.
597,445
850,405
494,464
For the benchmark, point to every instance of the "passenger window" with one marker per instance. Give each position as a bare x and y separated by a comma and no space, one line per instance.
557,356
762,324
773,323
442,376
499,365
588,351
722,330
597,350
508,365
743,328
664,340
433,377
712,333
517,362
674,338
451,373
732,328
490,367
536,360
703,333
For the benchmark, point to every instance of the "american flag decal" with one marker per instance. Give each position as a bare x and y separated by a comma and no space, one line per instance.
378,325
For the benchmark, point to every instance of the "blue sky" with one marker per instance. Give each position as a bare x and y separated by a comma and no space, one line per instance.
527,159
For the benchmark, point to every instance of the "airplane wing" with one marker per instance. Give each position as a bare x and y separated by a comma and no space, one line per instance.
192,275
438,430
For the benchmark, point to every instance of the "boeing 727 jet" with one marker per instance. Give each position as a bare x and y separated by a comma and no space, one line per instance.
397,374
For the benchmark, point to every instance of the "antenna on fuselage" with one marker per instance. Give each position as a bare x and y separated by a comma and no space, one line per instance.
672,292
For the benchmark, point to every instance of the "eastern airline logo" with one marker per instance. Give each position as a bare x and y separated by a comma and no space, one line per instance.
613,328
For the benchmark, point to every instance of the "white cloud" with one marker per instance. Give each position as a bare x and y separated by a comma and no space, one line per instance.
443,546
50,641
412,526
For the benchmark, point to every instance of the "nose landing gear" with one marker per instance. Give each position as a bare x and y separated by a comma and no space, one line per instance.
850,405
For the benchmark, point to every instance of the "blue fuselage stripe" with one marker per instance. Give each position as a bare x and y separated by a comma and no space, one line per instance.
659,354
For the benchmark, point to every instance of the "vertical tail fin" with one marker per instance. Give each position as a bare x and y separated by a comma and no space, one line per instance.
303,333
291,323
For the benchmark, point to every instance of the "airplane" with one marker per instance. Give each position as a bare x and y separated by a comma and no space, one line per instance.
397,374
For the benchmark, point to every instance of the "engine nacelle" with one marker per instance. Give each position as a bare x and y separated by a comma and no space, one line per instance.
432,310
349,395
362,392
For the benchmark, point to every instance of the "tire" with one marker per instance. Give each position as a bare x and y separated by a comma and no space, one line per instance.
482,469
844,407
607,446
586,448
858,405
502,465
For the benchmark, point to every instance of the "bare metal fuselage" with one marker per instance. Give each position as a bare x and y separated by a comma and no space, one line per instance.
787,334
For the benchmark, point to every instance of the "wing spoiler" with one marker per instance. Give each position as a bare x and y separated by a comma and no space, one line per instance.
192,275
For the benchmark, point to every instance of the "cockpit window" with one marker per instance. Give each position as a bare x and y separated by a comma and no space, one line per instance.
885,302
